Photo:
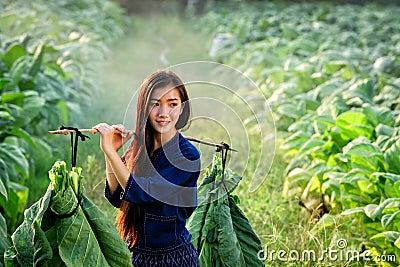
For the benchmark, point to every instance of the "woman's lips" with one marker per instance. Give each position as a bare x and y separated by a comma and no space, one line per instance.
162,123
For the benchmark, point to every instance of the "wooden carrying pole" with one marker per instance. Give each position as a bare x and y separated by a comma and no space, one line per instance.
94,131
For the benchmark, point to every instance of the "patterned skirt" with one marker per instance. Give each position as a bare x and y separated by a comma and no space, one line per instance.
182,255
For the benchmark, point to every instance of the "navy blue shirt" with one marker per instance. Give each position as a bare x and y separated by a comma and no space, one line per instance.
166,197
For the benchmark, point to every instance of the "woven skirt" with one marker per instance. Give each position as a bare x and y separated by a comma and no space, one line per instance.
182,255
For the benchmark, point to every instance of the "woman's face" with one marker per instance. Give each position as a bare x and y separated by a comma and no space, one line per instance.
165,108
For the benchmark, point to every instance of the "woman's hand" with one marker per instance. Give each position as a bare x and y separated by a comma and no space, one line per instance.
112,137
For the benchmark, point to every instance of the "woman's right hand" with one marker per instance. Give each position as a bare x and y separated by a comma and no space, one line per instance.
112,137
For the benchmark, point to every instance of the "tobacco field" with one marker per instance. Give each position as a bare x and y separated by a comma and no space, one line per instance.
330,76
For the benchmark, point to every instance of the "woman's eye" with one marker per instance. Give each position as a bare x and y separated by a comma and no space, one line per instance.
155,105
174,104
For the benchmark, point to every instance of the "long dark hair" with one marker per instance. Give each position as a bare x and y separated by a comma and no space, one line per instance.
136,157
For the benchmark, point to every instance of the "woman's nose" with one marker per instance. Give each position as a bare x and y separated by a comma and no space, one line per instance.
162,111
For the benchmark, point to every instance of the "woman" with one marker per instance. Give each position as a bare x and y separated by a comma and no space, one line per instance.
154,183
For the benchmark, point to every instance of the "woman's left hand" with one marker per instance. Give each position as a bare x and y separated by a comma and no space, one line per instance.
112,136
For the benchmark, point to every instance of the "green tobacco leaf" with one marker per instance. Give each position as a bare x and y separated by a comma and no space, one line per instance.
359,93
383,129
4,242
392,236
310,146
13,53
4,179
220,231
37,60
290,110
392,157
42,248
374,211
19,68
392,184
22,134
51,235
333,66
77,242
249,242
107,235
212,187
353,124
15,203
387,219
378,115
323,123
24,236
365,155
352,211
12,97
228,245
295,141
195,224
32,105
64,202
397,243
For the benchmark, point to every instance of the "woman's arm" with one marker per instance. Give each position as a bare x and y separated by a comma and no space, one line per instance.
110,143
112,181
120,173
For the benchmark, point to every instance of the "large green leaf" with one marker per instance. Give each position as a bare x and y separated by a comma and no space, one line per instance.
13,155
195,224
37,60
387,219
248,240
28,253
353,124
392,157
14,205
220,231
23,134
375,211
229,248
71,237
4,241
77,242
392,236
359,93
365,155
4,179
12,54
32,105
295,141
112,246
19,68
378,115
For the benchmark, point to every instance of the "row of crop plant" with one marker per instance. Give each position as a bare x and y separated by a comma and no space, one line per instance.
49,52
331,75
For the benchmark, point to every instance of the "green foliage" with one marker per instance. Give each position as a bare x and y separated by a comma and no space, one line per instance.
4,243
330,73
221,232
64,228
49,53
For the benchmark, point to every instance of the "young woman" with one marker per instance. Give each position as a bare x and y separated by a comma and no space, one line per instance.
154,183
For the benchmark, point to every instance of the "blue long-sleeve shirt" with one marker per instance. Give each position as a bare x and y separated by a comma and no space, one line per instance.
167,197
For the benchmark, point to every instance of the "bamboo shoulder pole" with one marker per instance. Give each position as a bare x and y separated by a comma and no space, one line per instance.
94,131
